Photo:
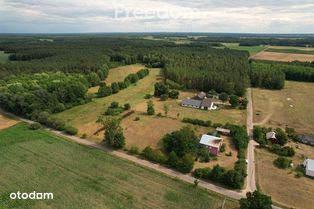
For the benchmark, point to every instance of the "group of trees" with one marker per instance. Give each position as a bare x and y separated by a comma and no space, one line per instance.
259,134
114,136
162,90
178,150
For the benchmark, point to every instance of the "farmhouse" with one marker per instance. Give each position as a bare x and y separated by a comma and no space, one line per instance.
223,131
208,104
191,103
309,167
213,143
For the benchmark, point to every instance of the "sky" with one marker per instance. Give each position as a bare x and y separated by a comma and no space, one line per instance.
85,16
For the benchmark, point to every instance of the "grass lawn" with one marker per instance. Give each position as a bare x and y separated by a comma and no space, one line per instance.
82,177
119,74
84,116
282,185
251,49
3,57
292,106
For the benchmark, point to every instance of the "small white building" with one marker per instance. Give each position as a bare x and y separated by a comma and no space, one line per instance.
309,167
271,135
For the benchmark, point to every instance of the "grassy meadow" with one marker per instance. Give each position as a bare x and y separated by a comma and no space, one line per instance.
290,50
292,106
3,57
82,177
251,49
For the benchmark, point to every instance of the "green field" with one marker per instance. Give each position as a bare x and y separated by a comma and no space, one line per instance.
82,177
290,51
3,57
251,49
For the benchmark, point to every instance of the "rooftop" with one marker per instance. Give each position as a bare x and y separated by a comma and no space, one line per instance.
271,135
212,141
309,164
207,102
192,102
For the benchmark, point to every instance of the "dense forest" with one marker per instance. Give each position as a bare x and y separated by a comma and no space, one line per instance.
210,69
270,74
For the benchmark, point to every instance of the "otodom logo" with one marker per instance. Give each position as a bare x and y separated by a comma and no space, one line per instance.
32,196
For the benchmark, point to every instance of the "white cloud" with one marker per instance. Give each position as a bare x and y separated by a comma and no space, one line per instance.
263,16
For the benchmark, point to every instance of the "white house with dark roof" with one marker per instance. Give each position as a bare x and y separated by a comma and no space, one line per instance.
309,167
193,103
213,143
208,104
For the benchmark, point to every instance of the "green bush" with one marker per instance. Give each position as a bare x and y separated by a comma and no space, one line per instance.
197,122
164,97
134,150
35,126
174,94
282,162
153,155
70,130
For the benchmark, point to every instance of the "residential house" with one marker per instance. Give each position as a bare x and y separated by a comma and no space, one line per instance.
213,143
309,167
208,104
193,103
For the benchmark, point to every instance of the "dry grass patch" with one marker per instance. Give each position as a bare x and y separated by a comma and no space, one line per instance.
292,106
6,122
118,74
281,184
283,57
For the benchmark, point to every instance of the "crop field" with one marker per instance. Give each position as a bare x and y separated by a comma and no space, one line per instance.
292,106
84,116
6,122
251,49
82,177
283,57
3,57
118,74
282,185
291,50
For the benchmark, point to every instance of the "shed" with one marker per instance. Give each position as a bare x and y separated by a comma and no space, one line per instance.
223,131
271,135
201,95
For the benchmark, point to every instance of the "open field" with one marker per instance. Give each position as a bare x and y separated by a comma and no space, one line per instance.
84,116
3,57
283,57
282,185
292,106
291,50
82,177
251,49
118,74
6,122
217,116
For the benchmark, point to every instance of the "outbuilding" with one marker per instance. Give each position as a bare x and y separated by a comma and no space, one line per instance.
309,167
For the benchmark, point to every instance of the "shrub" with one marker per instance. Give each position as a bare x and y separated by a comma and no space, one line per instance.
35,126
159,114
104,91
164,97
256,200
150,108
197,122
127,106
137,119
224,97
173,160
186,164
282,151
84,136
154,155
174,94
134,150
115,88
114,105
147,96
282,162
223,147
161,89
70,130
233,179
202,173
